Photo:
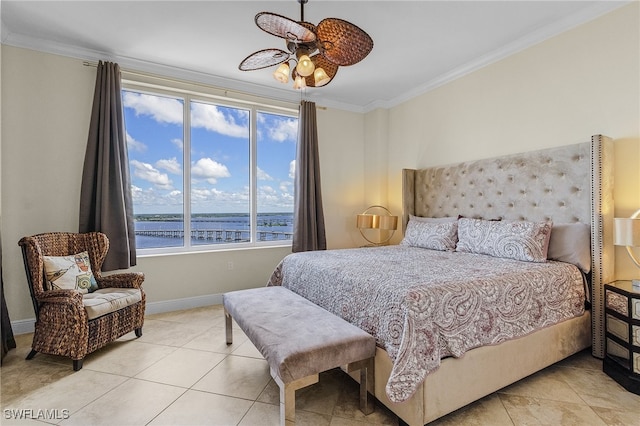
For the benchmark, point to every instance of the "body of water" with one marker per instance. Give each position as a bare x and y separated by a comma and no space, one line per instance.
156,231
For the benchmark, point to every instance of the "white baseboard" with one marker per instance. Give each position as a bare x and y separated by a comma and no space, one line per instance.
27,325
181,304
23,326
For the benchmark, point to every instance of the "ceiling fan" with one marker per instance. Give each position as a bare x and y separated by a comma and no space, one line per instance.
318,50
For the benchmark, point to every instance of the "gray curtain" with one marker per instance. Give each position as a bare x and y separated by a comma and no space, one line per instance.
308,217
105,197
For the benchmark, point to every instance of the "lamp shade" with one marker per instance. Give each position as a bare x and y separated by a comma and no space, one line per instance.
305,66
388,222
282,73
364,221
320,77
626,232
299,83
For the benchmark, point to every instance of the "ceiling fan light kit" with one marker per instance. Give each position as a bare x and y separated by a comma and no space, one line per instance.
318,51
282,73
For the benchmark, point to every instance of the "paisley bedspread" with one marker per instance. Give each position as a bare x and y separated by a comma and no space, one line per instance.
423,305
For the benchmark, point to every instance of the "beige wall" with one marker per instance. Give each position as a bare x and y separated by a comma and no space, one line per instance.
46,108
583,82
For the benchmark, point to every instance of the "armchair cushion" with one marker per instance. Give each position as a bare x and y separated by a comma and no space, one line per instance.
107,300
71,272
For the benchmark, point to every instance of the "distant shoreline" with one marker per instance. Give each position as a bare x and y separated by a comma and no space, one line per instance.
179,217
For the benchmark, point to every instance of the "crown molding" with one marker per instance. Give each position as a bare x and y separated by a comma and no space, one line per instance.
531,39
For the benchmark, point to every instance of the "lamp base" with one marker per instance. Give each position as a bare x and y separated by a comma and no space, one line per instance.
636,284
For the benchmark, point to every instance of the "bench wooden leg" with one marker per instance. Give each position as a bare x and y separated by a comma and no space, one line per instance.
366,383
288,397
228,324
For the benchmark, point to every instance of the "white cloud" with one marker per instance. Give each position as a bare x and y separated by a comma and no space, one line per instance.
198,194
170,165
211,170
147,172
207,200
152,201
135,145
286,187
161,109
170,110
262,175
211,118
285,130
270,199
178,143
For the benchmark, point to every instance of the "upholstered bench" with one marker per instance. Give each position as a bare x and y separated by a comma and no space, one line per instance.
299,340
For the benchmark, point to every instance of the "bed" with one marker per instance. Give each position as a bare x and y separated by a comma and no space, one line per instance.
433,358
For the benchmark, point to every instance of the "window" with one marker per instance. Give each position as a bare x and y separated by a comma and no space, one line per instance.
226,166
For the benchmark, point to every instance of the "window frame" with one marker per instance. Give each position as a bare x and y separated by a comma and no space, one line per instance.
199,93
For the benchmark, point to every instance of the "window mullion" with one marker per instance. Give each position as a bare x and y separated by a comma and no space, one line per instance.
186,161
253,190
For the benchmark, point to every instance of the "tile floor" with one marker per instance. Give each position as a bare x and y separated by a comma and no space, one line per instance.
181,372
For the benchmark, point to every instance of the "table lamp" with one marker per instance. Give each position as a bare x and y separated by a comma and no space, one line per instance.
378,218
627,233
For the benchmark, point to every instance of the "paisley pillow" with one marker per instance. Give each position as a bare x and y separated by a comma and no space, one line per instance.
511,239
439,235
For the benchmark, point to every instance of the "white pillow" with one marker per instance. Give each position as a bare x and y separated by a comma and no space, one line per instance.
571,243
70,272
511,239
435,235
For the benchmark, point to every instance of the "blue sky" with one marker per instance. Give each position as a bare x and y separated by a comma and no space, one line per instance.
219,156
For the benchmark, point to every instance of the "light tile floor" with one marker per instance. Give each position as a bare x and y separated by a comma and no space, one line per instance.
181,372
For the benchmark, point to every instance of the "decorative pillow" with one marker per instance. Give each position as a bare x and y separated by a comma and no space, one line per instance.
438,235
70,272
519,240
571,243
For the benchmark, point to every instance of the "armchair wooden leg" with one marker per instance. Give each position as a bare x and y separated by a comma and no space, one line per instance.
31,354
138,332
77,364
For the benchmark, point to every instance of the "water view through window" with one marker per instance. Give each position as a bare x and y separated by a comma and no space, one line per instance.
228,168
163,230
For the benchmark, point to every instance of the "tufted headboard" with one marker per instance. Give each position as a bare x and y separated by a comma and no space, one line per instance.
572,183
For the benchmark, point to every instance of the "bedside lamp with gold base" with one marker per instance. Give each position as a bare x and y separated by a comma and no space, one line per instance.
377,221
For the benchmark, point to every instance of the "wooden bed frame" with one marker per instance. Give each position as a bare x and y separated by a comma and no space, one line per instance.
573,183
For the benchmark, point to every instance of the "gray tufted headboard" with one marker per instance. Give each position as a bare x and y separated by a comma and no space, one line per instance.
572,183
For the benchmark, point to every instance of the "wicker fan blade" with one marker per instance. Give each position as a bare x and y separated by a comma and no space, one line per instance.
263,59
284,27
329,67
343,42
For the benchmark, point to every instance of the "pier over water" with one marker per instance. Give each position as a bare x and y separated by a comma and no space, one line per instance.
217,235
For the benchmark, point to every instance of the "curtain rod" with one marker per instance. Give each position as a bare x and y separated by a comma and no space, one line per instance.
176,80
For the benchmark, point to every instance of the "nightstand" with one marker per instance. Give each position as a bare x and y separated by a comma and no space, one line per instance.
622,336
